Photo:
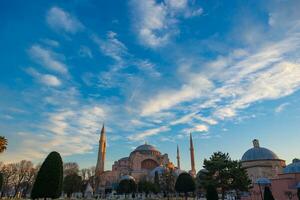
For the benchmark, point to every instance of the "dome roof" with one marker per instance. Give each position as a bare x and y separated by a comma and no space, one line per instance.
146,147
293,167
259,153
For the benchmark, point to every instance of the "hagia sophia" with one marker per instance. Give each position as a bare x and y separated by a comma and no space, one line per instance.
141,163
263,167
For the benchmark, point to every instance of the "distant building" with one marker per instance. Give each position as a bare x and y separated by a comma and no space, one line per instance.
141,163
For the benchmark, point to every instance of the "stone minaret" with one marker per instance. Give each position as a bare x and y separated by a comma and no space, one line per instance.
101,152
193,170
178,158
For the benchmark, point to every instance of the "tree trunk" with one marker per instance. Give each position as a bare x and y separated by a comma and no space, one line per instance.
185,195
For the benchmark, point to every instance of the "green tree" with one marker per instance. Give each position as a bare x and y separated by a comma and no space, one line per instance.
240,181
184,184
3,144
126,186
72,183
211,193
48,183
224,173
268,194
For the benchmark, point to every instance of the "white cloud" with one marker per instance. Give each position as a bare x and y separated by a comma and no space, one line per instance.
234,82
200,128
148,133
60,20
46,79
195,88
48,59
155,22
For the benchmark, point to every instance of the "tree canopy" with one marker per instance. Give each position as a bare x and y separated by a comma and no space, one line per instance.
126,186
48,183
224,173
185,183
72,183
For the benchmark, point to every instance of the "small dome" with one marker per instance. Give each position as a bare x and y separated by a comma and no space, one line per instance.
160,170
146,147
259,153
293,167
126,177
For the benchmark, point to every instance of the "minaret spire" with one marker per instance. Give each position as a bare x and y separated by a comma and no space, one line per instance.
178,158
193,170
101,152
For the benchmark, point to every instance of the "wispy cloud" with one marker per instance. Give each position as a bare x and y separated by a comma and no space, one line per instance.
234,82
48,59
46,79
112,47
148,133
60,20
155,22
281,107
69,131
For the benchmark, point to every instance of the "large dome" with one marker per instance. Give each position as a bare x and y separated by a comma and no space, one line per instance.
293,167
146,148
259,153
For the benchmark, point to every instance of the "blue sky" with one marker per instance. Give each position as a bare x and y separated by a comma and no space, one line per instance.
151,71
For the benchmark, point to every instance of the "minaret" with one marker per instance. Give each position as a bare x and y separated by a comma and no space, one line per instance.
193,170
101,152
178,158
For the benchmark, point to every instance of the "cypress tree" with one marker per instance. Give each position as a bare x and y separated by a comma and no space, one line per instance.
185,183
48,183
268,194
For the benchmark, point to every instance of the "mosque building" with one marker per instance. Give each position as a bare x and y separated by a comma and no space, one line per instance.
141,163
